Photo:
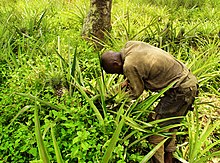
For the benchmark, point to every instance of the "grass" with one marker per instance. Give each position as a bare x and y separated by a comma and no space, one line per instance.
92,121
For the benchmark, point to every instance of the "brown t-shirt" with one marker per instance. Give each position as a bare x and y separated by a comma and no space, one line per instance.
148,67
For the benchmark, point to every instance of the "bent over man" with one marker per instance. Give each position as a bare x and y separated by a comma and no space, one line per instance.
149,68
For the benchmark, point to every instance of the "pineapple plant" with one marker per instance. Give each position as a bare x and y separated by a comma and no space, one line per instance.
57,83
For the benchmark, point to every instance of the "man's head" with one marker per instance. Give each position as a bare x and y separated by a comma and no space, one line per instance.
112,62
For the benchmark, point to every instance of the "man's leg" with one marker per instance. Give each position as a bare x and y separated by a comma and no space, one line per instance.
159,155
154,140
170,147
165,153
174,103
166,108
168,157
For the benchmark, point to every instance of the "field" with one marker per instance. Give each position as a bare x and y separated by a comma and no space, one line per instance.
56,103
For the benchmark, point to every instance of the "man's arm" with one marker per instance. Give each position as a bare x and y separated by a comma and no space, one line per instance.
136,83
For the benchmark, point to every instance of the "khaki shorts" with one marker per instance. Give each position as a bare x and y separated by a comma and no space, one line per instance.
175,102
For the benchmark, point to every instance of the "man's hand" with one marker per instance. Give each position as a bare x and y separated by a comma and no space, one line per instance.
125,84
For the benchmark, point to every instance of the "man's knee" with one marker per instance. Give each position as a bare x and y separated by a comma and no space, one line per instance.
155,139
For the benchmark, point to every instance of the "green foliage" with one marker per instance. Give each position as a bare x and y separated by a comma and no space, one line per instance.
151,153
198,147
176,4
42,52
41,146
56,148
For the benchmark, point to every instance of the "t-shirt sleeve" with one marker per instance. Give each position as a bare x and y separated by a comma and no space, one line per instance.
136,83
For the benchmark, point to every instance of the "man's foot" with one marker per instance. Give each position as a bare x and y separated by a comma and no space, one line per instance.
168,157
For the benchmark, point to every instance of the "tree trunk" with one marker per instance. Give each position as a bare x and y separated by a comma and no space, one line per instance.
98,20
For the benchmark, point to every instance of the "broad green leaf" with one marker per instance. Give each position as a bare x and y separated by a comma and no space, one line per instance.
153,151
148,102
163,120
90,101
138,140
120,112
134,125
40,143
24,109
102,93
39,100
56,147
179,158
205,150
113,141
206,158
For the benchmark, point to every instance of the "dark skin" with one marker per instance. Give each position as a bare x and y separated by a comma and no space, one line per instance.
112,62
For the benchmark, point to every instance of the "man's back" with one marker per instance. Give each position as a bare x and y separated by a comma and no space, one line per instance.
151,68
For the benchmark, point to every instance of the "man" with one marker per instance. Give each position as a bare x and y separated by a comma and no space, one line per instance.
149,68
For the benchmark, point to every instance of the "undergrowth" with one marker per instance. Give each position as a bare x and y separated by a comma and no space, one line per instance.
58,105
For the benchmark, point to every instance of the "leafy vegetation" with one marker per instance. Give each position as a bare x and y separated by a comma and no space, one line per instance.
57,105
